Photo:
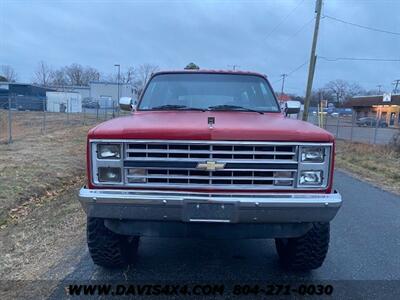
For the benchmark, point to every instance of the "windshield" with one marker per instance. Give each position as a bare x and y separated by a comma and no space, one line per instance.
209,92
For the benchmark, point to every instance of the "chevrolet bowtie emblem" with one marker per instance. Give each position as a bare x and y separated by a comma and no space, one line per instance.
210,166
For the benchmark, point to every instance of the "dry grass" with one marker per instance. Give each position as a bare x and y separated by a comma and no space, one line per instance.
34,242
34,123
41,217
377,164
37,165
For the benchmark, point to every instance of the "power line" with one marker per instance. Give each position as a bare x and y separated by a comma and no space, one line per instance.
284,19
297,68
358,59
362,26
300,30
291,72
276,81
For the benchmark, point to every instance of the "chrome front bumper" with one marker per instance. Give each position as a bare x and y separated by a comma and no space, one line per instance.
209,207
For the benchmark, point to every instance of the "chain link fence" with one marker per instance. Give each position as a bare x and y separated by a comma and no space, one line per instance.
349,127
23,116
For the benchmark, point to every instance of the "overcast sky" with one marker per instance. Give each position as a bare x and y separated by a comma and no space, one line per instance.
271,37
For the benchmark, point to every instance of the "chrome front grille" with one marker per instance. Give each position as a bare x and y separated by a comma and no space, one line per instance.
254,165
176,176
216,151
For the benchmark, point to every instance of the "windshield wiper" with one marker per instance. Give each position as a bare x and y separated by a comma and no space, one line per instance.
233,107
176,107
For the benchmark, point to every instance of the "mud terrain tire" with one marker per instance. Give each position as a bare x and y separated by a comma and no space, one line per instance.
306,252
108,249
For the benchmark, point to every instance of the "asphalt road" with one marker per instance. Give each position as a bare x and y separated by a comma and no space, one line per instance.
365,245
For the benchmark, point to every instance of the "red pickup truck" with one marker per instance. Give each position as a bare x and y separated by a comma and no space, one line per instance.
209,154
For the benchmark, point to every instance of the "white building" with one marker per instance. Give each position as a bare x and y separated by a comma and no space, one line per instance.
84,91
106,93
70,102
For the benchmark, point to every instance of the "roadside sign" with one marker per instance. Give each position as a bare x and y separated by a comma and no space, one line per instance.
387,97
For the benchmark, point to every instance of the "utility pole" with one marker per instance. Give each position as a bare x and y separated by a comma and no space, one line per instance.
119,74
379,88
396,84
313,60
283,83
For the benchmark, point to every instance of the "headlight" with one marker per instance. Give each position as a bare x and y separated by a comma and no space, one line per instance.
311,177
107,174
108,151
135,175
312,154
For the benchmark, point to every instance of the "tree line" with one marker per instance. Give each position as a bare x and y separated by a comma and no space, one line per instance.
336,91
78,75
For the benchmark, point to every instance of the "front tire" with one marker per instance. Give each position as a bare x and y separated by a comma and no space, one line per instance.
108,249
306,252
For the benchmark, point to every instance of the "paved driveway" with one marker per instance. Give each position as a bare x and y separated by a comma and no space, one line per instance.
365,245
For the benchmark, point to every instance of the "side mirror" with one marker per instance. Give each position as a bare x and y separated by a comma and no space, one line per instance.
292,107
126,103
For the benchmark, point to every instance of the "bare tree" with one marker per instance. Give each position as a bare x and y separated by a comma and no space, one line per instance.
338,88
322,94
90,74
144,73
342,90
8,73
42,74
76,74
355,89
130,75
58,77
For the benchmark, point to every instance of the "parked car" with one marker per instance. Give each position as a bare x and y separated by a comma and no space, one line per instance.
209,154
90,104
371,122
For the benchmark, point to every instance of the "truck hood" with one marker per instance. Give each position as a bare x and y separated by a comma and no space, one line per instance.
193,125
